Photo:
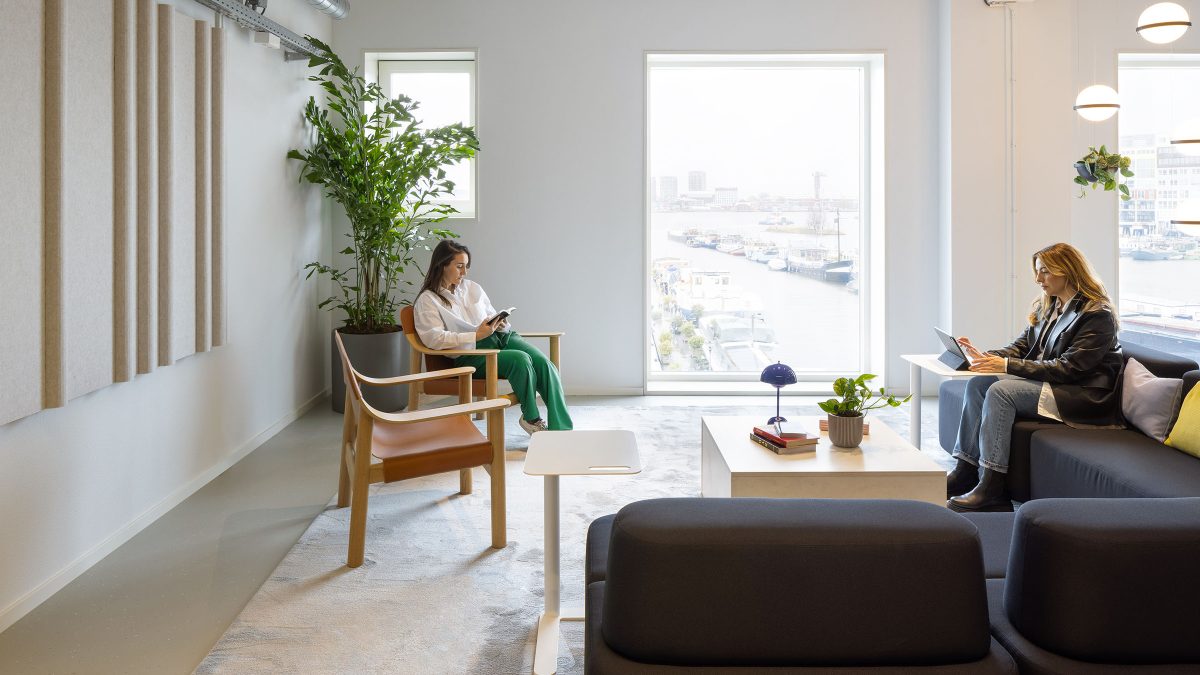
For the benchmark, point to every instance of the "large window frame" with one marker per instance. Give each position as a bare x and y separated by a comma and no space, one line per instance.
871,190
379,67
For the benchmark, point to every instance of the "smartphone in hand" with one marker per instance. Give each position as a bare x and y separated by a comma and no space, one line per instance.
502,314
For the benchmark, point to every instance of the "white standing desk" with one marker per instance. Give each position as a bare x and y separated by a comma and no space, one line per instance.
916,364
569,453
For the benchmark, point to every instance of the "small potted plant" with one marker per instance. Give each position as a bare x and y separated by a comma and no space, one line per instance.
846,414
1101,168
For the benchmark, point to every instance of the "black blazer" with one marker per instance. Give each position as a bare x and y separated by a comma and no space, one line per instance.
1082,362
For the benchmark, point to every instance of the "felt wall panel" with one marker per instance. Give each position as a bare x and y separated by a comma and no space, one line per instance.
124,215
54,95
21,217
203,172
219,323
147,187
87,311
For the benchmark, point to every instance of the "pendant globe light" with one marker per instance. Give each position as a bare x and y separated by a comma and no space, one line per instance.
1097,103
1187,217
1163,22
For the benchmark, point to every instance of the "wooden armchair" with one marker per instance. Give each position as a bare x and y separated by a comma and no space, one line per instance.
415,443
442,359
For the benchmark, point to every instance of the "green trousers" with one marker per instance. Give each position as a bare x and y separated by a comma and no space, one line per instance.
529,372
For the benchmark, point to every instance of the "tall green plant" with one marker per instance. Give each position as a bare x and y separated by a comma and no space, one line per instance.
371,156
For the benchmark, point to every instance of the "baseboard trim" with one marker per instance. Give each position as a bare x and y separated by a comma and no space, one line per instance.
40,593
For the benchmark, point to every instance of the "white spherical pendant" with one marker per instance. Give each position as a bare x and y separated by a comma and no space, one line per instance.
1186,137
1163,22
1098,102
1187,217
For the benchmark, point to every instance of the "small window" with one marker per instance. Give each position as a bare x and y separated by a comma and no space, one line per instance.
443,83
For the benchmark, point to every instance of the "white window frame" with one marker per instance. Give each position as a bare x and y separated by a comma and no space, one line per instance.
872,348
380,65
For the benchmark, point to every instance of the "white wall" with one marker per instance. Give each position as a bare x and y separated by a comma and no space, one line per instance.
560,231
77,481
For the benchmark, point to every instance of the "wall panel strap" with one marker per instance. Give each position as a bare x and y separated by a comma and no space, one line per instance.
54,100
165,179
217,215
124,193
147,188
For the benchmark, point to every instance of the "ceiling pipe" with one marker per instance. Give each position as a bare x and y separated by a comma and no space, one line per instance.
338,9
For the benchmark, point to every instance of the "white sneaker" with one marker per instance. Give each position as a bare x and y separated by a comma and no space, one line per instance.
532,427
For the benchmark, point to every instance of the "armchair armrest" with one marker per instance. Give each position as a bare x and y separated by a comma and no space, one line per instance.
544,334
409,417
416,377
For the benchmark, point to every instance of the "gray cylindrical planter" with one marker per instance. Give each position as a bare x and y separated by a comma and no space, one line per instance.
375,355
845,432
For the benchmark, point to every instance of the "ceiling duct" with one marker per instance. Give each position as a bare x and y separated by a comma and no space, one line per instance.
338,9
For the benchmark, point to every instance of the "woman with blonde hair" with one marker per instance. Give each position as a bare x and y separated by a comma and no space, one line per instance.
1067,365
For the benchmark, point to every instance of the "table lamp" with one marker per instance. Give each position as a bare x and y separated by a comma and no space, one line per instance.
779,376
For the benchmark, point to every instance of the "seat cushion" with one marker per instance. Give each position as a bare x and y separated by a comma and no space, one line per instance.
601,659
1107,580
1109,463
596,558
429,447
995,534
768,581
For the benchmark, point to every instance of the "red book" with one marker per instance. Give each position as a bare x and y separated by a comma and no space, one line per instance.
784,437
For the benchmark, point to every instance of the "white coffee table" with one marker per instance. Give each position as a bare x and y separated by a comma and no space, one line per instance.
594,452
884,466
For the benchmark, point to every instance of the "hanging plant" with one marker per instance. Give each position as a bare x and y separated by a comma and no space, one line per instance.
1101,168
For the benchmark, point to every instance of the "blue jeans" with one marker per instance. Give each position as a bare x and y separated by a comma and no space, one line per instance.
990,406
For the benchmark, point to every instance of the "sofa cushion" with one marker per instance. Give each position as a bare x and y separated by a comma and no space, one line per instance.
1148,402
1160,363
1069,462
595,565
995,534
771,581
1107,580
601,659
1185,435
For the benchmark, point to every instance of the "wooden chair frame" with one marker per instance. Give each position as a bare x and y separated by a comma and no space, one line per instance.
357,471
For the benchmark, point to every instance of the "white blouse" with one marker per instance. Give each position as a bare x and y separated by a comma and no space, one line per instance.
453,327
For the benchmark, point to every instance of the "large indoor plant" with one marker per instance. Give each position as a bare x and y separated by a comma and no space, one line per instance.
1101,168
846,412
371,156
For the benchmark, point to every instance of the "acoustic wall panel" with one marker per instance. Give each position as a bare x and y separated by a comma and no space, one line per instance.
54,101
21,215
147,187
217,251
124,183
88,192
203,240
177,186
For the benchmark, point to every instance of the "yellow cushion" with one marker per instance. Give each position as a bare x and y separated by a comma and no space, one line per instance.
1185,435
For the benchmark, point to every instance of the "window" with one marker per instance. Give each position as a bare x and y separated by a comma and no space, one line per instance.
1159,285
757,211
443,83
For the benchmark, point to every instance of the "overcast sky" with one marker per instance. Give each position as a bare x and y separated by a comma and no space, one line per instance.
1156,100
757,129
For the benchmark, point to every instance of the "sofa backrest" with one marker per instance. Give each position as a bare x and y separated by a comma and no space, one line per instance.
1107,580
758,582
1158,362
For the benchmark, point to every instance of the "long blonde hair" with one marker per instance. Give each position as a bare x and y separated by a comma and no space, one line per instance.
1065,260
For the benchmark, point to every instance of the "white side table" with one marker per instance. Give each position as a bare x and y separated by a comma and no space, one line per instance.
569,453
916,364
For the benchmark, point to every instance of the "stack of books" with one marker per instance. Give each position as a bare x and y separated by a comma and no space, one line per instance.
785,439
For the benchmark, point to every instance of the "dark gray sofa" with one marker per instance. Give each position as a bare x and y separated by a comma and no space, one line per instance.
1048,459
1096,586
740,586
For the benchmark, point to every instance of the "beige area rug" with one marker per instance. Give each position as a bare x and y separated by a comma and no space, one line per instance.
432,597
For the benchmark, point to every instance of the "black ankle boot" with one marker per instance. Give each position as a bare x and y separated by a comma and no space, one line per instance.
990,495
960,481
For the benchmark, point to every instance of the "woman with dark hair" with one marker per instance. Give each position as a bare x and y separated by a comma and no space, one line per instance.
1067,365
453,312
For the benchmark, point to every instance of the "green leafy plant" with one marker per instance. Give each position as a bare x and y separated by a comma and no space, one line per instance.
371,157
857,398
1101,168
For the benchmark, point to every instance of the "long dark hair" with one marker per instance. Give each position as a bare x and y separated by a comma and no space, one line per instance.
443,255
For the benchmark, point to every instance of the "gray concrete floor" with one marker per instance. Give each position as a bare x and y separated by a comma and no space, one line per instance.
159,602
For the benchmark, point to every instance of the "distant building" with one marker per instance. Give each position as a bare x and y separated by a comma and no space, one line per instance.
697,181
726,196
668,189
